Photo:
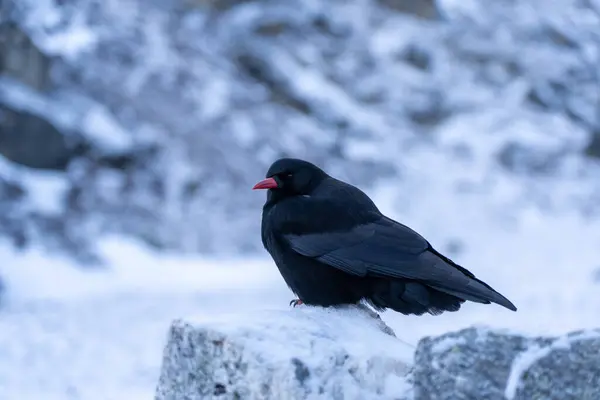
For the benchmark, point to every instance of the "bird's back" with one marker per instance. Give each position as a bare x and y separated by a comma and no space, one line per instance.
345,194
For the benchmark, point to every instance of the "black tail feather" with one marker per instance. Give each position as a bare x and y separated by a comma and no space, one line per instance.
413,298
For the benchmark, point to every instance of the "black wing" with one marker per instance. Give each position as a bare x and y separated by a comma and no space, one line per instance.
381,247
389,249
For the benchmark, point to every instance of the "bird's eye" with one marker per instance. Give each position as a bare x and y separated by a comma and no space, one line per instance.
288,175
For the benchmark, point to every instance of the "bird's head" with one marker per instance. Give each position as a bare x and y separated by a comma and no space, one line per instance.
291,177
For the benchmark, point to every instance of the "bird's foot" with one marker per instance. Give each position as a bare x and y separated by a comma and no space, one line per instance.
296,302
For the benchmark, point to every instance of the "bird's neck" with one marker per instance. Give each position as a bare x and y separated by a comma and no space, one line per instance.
273,197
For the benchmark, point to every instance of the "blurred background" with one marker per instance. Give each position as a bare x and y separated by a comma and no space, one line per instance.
131,133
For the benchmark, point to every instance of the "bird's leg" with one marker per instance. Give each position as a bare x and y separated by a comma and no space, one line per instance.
296,302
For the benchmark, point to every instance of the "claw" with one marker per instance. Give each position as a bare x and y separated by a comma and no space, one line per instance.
296,302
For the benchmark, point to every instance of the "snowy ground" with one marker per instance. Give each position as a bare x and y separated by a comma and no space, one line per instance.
98,333
71,333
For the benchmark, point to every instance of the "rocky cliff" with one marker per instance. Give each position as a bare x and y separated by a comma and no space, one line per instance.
153,119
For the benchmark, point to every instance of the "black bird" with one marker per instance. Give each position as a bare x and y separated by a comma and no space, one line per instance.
333,246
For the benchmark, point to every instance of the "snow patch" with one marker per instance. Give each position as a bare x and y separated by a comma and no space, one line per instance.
44,190
56,34
339,324
329,344
64,110
131,268
447,343
534,354
103,130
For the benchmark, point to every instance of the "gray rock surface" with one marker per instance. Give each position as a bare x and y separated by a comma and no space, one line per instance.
20,58
304,353
479,363
29,140
348,353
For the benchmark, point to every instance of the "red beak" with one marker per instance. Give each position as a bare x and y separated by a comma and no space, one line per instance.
269,183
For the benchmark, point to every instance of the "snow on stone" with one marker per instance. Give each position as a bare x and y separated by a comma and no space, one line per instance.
20,96
104,131
331,98
535,353
58,31
44,189
182,77
70,112
301,353
157,54
69,42
64,110
447,343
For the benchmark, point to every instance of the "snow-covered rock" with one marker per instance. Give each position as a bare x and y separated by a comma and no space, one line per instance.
479,363
305,353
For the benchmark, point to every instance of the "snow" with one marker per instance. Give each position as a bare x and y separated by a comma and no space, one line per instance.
97,333
157,54
70,42
57,35
446,344
72,113
535,353
543,264
339,325
81,333
329,345
131,269
521,364
49,189
345,60
68,332
22,97
102,128
44,189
